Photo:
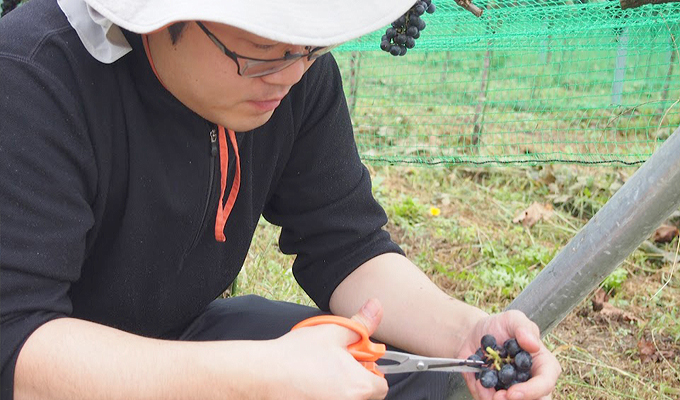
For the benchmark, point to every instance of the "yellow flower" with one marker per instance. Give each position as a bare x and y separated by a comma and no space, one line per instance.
434,211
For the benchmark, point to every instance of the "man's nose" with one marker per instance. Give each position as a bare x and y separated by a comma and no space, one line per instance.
289,75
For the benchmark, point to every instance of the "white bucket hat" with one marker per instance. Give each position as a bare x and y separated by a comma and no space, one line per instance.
308,22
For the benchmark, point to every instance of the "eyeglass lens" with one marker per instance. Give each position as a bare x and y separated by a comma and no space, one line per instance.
255,68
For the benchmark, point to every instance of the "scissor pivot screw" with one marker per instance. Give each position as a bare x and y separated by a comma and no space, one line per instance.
421,366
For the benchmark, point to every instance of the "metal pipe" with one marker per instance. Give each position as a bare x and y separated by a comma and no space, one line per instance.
643,203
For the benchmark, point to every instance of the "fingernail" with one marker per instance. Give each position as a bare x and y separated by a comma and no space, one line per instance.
516,396
371,308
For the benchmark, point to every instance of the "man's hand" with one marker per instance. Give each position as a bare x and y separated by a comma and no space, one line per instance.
313,362
545,369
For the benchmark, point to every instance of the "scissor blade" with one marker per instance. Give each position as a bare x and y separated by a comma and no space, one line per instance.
413,363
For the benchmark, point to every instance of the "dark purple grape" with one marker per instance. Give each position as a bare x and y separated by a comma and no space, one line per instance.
431,9
523,376
411,31
410,42
523,361
480,353
488,341
391,33
399,22
475,357
489,378
403,50
512,347
400,39
502,353
507,374
420,9
395,50
385,45
417,22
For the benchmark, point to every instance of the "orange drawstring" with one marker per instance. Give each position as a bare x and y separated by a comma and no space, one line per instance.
222,212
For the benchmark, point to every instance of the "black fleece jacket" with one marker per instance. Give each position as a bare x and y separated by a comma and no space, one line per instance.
108,189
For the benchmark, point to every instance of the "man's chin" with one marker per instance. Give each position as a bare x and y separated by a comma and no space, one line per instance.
244,124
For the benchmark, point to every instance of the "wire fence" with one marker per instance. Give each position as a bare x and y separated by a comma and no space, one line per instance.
529,82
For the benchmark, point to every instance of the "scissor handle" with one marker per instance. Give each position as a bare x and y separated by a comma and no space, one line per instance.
364,351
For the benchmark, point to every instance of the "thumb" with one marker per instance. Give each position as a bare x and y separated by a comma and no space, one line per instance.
369,315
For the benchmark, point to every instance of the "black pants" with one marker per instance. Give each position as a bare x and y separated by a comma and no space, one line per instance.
256,318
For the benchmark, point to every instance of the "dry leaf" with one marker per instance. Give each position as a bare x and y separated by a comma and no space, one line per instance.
665,234
533,214
646,349
605,309
650,353
599,298
610,311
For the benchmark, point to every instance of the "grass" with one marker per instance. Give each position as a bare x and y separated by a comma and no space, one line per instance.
474,251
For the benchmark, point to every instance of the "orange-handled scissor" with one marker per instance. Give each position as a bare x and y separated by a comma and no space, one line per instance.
367,352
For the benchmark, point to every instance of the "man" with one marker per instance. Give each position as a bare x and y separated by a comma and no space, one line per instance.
135,167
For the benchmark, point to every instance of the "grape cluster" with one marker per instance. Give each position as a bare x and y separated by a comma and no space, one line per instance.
403,33
505,365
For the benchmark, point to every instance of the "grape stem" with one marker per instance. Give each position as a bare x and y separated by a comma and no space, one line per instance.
497,360
467,4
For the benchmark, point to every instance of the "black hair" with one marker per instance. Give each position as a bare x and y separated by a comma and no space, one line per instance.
176,30
9,5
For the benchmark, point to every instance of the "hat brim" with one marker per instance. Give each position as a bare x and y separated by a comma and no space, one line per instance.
308,22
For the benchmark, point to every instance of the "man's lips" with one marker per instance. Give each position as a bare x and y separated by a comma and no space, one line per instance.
267,104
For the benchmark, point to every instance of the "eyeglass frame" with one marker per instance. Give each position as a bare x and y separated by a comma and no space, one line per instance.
288,56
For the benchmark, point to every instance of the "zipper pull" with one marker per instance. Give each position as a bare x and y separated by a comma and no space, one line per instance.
213,143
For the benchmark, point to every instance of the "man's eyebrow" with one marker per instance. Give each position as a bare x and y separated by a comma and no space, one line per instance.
259,44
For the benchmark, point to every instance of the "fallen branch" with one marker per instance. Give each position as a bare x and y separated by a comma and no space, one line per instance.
467,4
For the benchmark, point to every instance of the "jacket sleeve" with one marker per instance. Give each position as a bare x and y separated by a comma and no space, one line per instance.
323,200
46,175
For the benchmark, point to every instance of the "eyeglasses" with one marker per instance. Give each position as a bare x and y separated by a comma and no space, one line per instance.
254,67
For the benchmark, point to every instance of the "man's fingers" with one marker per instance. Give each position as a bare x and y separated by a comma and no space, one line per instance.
542,383
526,332
369,315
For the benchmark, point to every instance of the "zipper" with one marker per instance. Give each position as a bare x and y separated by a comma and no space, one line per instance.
213,155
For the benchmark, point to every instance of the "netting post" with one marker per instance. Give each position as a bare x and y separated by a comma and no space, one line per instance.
643,203
669,75
478,121
354,64
620,68
445,70
544,55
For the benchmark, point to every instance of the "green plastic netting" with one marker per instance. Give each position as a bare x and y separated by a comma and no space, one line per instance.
529,82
